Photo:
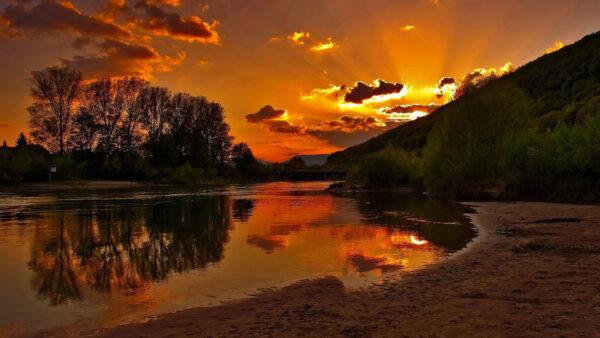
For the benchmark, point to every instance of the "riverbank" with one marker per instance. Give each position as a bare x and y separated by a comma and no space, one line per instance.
533,271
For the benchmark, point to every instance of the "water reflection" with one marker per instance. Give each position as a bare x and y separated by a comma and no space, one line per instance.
102,258
242,209
123,246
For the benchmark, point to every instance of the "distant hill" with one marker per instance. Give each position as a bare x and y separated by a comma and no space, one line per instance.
562,88
311,160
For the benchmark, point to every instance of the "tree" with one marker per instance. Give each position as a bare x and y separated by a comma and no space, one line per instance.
85,130
22,140
241,156
129,133
154,105
104,101
217,135
182,120
54,91
4,144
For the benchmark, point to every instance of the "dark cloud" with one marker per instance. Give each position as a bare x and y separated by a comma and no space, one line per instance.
81,42
283,127
345,138
344,132
411,108
350,123
362,91
113,9
446,81
160,22
51,16
265,113
117,59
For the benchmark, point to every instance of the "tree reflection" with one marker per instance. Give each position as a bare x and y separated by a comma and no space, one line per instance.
126,245
52,260
438,221
242,210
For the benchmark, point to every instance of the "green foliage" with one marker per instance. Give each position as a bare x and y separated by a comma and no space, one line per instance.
561,87
468,143
185,174
385,168
536,131
124,129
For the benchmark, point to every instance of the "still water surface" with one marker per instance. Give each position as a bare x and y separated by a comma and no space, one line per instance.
98,259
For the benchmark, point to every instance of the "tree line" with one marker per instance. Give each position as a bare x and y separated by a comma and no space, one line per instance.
117,127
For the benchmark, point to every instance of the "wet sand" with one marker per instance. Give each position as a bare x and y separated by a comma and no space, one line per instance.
534,270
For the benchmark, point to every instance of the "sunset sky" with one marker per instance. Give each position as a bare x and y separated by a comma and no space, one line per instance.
294,76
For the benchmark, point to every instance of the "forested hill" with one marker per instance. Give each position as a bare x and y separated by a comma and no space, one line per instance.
560,88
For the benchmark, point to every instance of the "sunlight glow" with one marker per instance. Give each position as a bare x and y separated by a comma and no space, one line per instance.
556,46
324,46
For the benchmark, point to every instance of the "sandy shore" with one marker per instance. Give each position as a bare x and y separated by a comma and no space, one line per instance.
534,271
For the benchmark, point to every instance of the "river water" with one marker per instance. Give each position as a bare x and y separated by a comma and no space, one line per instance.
103,258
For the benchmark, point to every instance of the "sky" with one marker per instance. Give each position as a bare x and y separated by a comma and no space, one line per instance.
294,76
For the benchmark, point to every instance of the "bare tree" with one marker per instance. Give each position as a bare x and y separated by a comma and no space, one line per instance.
103,100
85,130
129,133
54,91
154,104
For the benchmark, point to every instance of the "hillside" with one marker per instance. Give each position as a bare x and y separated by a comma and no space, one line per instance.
561,88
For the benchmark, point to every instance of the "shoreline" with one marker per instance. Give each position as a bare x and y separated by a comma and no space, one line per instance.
532,271
109,185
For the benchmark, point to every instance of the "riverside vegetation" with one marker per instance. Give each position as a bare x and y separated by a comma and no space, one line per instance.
123,129
534,132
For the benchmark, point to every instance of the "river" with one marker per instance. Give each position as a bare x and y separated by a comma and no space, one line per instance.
103,258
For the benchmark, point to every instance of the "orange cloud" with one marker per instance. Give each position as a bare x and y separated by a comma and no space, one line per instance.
299,38
118,58
479,77
265,113
445,87
163,23
51,16
112,9
172,3
556,46
204,63
322,46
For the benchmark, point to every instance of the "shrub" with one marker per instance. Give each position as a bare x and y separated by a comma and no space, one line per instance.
386,167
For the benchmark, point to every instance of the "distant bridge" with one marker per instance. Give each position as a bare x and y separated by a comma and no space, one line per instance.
311,175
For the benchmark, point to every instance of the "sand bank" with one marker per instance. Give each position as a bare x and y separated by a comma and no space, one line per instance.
533,271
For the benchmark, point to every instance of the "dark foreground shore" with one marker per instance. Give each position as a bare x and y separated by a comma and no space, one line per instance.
533,271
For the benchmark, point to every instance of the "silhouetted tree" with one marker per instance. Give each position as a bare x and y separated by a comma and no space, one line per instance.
154,104
129,133
85,130
4,144
241,155
217,135
21,140
54,91
104,101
